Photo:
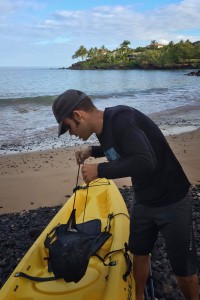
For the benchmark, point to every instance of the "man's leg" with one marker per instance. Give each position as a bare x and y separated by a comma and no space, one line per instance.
140,273
180,243
189,286
143,235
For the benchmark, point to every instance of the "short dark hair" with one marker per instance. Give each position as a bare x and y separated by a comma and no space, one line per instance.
86,105
64,105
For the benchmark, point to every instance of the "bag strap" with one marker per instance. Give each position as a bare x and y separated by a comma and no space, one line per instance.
71,223
49,238
75,189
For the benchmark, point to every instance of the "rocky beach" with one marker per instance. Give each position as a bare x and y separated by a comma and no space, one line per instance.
15,227
35,185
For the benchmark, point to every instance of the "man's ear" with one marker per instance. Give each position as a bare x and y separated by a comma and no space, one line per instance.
77,115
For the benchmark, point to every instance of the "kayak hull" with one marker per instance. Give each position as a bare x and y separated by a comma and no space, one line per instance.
100,282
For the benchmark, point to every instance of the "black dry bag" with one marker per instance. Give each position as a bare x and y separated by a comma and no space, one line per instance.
70,252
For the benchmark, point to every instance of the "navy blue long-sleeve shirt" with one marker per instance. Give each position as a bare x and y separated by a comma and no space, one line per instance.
135,147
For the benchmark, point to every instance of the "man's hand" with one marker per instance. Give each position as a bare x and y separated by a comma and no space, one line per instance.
82,155
89,172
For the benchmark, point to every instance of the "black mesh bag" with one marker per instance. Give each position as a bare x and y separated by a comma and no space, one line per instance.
71,249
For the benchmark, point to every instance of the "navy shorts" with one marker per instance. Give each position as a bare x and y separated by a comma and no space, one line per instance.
174,221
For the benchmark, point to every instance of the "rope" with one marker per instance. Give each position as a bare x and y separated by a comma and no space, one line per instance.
86,198
76,188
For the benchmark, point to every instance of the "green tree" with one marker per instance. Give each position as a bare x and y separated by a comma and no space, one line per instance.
149,56
167,56
124,50
171,54
171,44
197,51
153,42
140,49
125,44
92,53
81,52
182,51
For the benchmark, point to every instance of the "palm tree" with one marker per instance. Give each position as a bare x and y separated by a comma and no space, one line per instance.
81,52
171,43
92,53
125,44
153,42
123,50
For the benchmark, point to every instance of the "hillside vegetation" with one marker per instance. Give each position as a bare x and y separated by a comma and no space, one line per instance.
184,54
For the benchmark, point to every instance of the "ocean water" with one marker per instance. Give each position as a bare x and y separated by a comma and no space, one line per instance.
26,96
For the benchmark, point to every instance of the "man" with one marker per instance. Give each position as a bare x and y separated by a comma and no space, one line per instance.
135,147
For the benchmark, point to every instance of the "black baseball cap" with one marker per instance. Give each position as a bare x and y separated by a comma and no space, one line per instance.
64,105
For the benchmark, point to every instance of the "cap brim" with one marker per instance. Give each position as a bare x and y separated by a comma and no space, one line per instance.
62,128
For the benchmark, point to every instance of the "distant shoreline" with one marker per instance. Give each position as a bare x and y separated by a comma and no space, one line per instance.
81,66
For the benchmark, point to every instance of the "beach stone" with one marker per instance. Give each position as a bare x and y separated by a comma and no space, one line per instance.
3,263
35,232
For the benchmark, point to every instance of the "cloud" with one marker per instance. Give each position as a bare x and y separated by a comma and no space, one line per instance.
107,23
111,24
174,17
8,7
28,25
99,22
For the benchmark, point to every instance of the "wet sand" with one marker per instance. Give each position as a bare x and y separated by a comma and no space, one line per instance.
47,178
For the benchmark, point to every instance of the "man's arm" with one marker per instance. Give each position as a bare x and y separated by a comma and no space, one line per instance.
137,158
91,151
136,166
139,166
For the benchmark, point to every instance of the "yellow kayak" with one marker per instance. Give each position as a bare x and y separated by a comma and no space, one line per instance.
100,282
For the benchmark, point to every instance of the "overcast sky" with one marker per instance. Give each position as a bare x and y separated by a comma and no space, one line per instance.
48,32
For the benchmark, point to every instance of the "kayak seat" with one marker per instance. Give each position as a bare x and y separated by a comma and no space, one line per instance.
92,227
96,227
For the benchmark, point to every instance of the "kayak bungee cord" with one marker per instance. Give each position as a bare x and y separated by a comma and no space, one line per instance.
77,187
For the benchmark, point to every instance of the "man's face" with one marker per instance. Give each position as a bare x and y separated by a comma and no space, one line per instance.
78,126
